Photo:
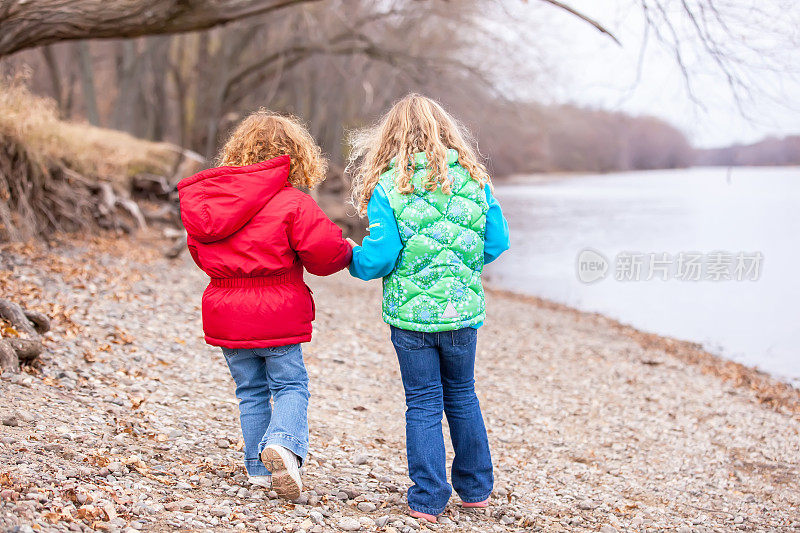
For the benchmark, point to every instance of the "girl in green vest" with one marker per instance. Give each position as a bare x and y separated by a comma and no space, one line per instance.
433,225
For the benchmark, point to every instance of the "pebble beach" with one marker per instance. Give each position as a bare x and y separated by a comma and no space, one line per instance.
129,423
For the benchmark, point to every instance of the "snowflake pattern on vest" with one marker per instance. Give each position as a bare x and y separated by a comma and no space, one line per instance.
436,285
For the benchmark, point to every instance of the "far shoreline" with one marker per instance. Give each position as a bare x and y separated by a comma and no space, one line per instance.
538,178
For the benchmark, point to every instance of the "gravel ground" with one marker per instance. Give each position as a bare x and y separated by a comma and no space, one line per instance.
130,423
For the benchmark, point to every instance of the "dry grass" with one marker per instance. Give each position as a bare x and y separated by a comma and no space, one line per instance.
33,122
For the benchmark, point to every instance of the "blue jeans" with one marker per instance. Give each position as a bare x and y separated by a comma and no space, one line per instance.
261,374
438,371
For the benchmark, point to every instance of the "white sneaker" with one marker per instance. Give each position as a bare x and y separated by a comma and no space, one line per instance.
283,465
261,481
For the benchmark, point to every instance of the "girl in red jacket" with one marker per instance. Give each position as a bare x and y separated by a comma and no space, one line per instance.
253,233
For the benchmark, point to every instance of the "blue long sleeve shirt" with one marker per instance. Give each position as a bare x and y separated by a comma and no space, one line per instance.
378,254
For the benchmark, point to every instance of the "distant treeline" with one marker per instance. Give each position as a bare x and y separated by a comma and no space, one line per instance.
566,138
529,138
770,151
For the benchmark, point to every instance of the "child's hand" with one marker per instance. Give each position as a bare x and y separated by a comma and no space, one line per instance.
351,242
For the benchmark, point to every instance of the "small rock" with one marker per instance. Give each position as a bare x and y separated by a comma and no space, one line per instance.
360,459
11,421
348,524
300,511
367,507
187,505
219,512
24,416
382,521
351,493
587,505
172,506
109,512
605,528
223,443
444,520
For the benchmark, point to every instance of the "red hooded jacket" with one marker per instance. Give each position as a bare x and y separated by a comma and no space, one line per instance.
253,233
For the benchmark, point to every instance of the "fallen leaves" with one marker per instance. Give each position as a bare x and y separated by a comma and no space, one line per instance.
88,512
136,400
120,336
57,516
135,463
7,330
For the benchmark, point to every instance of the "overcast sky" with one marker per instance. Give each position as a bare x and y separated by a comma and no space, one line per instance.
588,68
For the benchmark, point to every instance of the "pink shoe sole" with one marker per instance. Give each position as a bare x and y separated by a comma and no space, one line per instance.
423,516
469,505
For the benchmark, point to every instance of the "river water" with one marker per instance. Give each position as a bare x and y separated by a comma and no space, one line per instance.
710,255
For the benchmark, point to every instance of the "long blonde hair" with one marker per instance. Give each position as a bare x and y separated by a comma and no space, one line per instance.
414,124
264,135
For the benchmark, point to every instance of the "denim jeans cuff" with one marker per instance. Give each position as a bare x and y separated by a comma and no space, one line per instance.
427,510
289,442
255,467
476,500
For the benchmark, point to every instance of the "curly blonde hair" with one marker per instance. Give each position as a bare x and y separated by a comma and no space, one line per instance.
414,124
264,135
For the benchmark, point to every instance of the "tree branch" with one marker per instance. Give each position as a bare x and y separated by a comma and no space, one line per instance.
585,18
39,22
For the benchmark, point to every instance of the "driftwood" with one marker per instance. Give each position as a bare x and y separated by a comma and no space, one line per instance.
27,346
177,247
107,204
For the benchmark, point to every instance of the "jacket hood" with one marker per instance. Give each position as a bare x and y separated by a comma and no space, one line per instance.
217,202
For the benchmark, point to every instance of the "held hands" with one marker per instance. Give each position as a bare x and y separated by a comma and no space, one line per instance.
351,242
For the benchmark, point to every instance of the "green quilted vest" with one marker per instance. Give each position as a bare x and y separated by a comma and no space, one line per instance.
436,285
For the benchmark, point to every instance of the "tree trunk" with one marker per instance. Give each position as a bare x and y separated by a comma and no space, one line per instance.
38,22
127,62
55,77
87,83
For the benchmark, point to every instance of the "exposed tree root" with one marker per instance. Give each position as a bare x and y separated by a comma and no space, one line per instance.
42,197
25,344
